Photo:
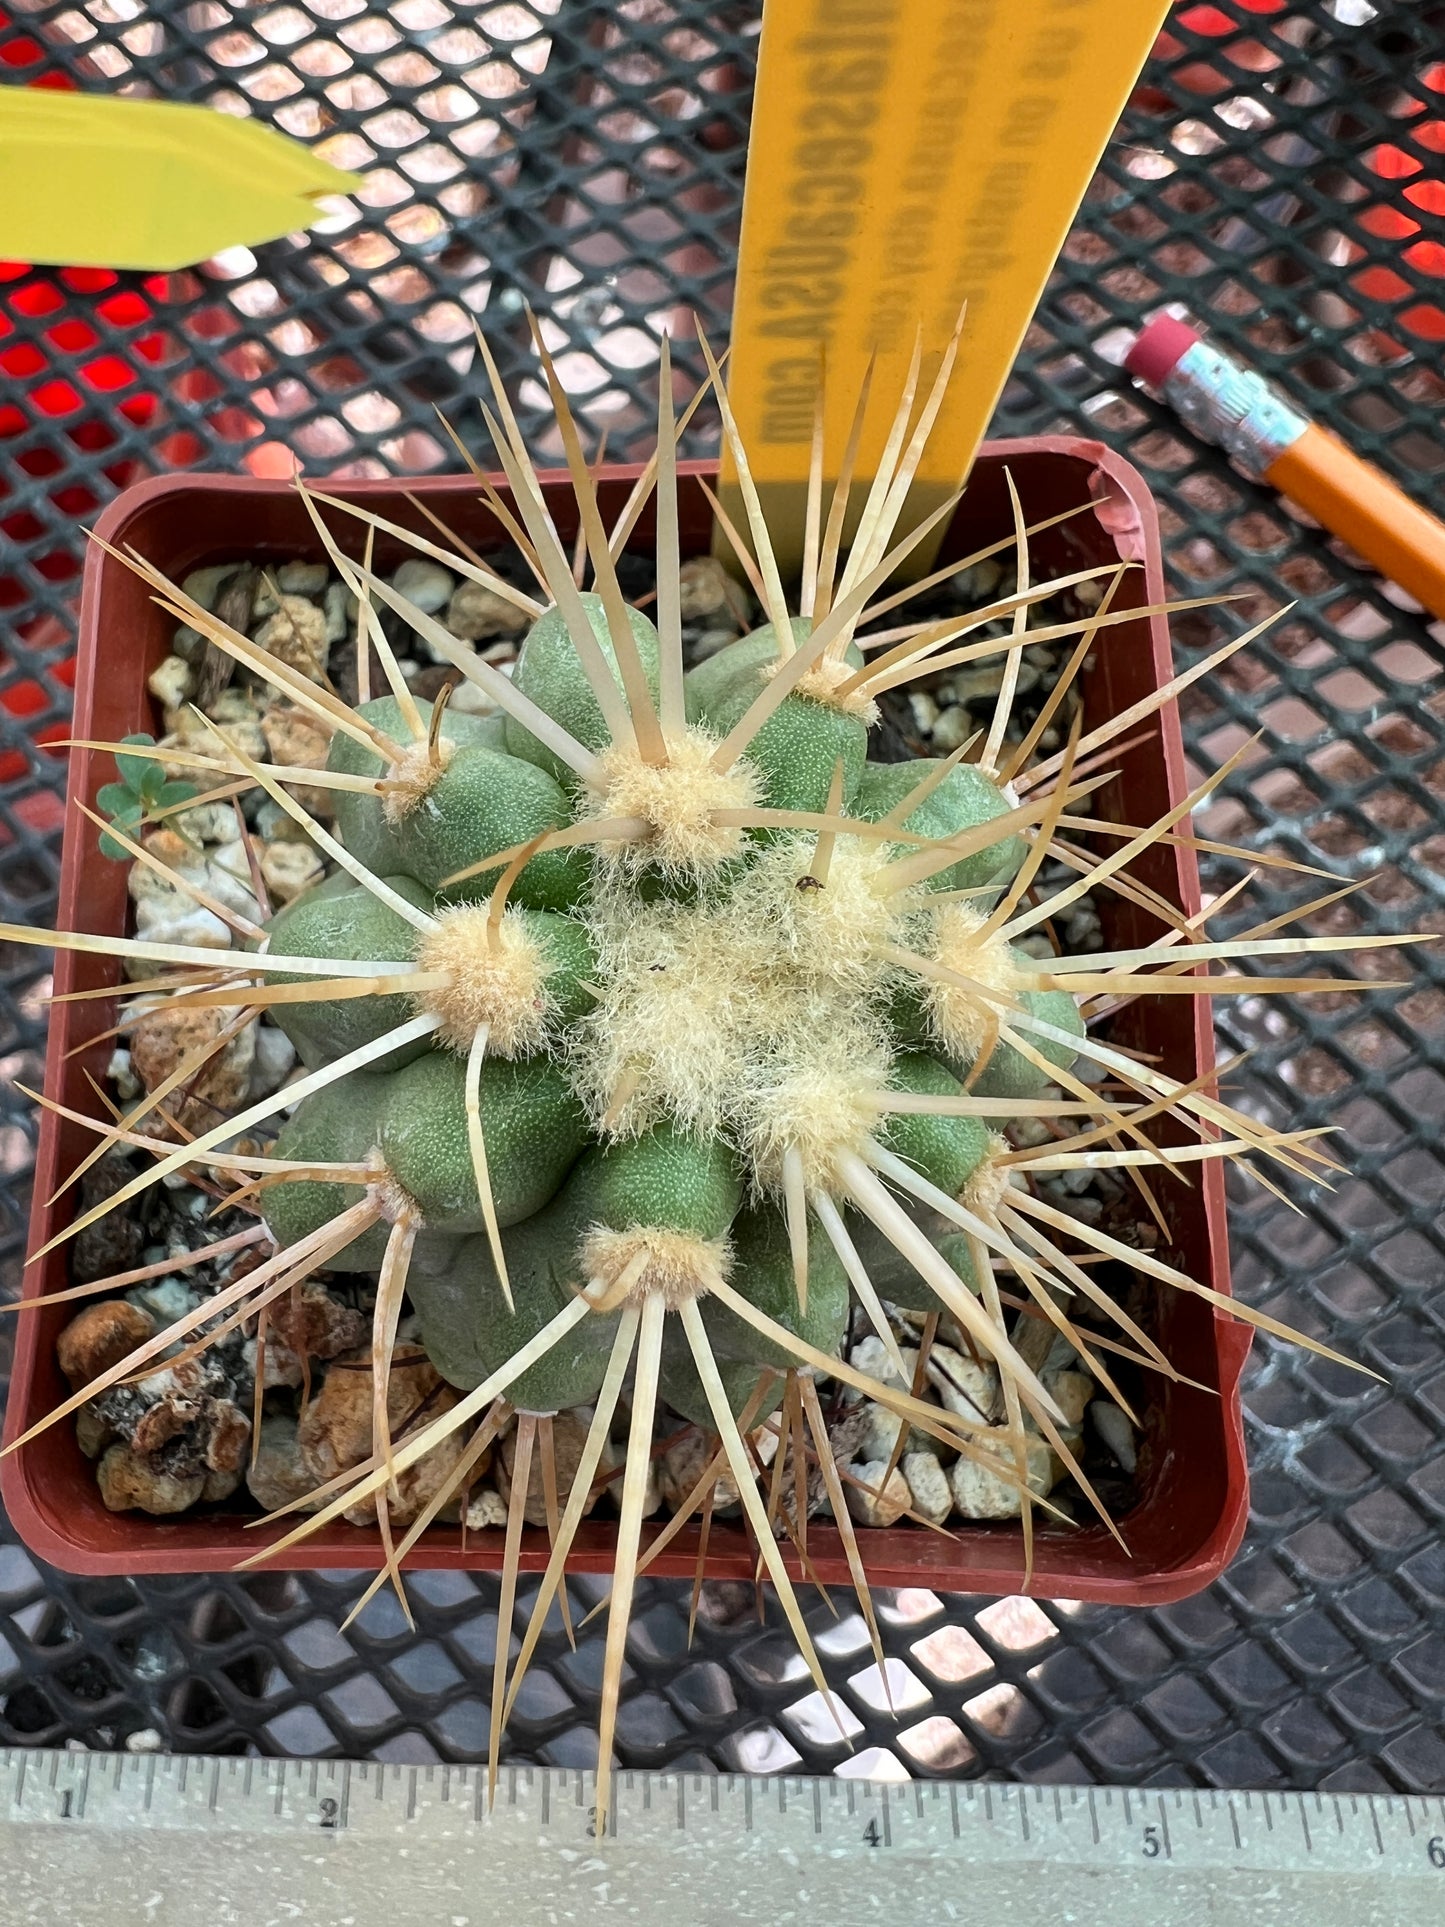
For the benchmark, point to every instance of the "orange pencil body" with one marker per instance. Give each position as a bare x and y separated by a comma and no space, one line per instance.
1366,509
1273,442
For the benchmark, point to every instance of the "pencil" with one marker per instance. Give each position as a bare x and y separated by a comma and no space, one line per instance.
1272,441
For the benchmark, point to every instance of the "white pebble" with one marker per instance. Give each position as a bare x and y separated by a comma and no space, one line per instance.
274,1061
145,885
202,585
963,1387
340,611
210,823
979,1493
953,727
1071,1392
288,869
928,1486
881,1505
170,683
227,884
128,1086
166,1299
484,1509
468,700
872,1357
969,684
302,578
880,1432
177,920
1116,1432
427,584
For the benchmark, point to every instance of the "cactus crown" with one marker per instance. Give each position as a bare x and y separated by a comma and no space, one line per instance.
648,1006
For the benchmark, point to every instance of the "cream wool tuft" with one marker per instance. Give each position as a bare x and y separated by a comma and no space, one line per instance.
625,1267
828,683
498,981
962,1021
410,780
723,1013
991,1182
823,1105
679,799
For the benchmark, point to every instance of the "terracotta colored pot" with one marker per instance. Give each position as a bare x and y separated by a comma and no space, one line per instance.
1193,1487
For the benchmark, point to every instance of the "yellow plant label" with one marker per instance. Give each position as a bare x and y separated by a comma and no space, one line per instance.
910,159
91,180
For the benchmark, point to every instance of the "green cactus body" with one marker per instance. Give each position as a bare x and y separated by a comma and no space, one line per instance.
799,746
533,1125
483,801
342,1125
550,672
945,1150
341,918
762,1271
361,818
895,1279
662,1179
1008,1073
490,731
963,800
683,1388
469,1332
564,946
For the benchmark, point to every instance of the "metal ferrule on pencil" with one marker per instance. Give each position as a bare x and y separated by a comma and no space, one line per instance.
1232,407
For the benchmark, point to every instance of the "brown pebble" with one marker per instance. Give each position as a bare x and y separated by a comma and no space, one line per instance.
164,1037
229,1437
313,1324
99,1337
335,1432
164,1421
569,1435
130,1483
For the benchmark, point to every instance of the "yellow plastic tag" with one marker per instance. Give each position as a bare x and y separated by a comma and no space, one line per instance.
908,158
87,181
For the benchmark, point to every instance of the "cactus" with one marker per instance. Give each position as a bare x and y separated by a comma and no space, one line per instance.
641,1035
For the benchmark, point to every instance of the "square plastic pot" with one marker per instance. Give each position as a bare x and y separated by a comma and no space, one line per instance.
1192,1480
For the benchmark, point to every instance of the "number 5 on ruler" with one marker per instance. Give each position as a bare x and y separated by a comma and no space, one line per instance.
909,157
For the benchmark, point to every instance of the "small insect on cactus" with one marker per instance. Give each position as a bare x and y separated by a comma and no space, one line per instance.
646,1023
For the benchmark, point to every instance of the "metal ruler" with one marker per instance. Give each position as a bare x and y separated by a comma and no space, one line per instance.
137,1841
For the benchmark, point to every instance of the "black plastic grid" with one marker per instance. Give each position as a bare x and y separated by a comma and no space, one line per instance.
1279,174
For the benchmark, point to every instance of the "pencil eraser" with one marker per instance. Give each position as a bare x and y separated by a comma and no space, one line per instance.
1158,347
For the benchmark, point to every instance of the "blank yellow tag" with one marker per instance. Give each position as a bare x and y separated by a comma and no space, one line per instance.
908,157
87,181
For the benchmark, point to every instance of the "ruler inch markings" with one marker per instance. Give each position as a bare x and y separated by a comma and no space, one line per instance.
1376,1862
